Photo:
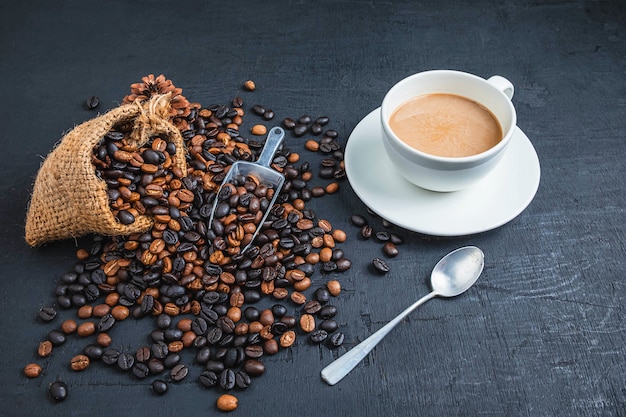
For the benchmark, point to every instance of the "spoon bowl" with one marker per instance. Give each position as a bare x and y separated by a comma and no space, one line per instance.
454,274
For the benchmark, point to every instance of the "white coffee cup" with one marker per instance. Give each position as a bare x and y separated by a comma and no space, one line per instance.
438,173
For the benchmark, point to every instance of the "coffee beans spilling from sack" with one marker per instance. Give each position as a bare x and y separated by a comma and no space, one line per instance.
168,265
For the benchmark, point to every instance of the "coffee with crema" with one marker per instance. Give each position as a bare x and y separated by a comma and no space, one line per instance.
446,125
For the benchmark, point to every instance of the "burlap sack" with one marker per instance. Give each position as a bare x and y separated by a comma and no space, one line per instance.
68,199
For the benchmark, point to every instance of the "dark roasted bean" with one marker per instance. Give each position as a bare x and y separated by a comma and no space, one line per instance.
109,356
254,367
47,314
58,391
93,352
322,295
366,232
125,361
329,325
179,372
92,102
380,265
159,386
383,236
227,379
208,379
358,220
337,339
106,323
327,312
390,250
140,370
56,337
289,123
242,380
318,336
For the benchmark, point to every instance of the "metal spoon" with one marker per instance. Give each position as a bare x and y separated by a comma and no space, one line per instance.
453,275
261,170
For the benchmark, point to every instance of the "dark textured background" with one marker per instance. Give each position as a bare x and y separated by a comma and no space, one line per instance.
543,331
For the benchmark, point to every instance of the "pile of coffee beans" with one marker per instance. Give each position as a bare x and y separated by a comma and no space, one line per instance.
198,282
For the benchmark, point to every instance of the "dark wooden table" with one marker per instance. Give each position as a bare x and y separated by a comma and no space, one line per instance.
541,334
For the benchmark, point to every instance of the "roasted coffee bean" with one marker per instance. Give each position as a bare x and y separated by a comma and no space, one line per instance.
226,402
367,232
329,325
336,339
318,336
278,328
32,370
171,360
307,323
258,109
159,350
358,220
312,306
208,379
289,123
268,115
45,348
179,372
47,314
227,379
143,354
56,337
93,352
396,239
383,236
69,326
254,367
106,323
253,351
110,356
327,312
140,370
125,361
343,264
287,339
172,334
334,287
322,295
125,217
390,250
199,326
159,386
279,310
58,391
155,366
300,129
163,320
79,363
92,102
242,380
380,266
215,366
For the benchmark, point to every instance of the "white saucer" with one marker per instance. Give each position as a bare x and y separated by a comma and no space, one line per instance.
492,202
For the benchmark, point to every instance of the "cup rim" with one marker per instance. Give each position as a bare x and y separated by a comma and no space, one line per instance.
398,143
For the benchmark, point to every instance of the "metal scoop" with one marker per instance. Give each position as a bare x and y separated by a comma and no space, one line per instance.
261,171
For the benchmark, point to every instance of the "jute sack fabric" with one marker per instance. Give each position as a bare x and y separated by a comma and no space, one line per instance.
69,200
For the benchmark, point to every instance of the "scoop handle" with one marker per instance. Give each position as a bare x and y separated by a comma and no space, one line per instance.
342,366
272,143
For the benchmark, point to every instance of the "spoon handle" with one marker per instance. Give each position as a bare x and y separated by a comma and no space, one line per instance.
338,369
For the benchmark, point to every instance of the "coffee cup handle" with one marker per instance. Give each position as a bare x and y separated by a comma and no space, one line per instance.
503,85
